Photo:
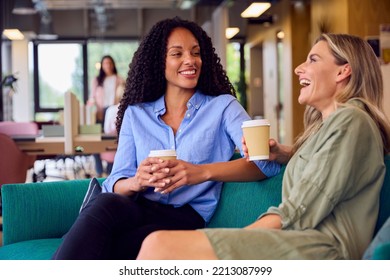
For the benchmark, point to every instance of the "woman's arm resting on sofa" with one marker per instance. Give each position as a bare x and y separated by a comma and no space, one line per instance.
267,221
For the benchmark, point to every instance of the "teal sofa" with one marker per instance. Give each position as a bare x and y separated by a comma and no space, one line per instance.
37,215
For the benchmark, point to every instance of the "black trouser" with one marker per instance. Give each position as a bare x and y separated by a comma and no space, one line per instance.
113,227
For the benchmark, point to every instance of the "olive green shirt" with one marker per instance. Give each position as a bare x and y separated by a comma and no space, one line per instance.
332,183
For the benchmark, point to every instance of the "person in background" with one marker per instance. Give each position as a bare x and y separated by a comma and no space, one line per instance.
103,95
177,96
334,175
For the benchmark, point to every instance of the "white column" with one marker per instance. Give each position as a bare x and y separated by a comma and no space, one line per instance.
23,99
220,20
386,89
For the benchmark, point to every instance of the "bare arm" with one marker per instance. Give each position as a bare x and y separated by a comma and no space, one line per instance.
278,152
235,170
184,173
268,221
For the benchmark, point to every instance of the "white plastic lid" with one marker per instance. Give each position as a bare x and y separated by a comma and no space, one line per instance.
162,153
259,122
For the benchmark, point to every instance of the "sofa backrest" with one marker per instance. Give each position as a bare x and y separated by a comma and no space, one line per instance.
242,202
384,202
40,210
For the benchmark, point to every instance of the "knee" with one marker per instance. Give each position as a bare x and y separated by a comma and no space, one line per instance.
154,246
109,203
111,199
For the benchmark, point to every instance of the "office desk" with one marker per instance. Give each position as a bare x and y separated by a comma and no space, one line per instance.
82,144
72,143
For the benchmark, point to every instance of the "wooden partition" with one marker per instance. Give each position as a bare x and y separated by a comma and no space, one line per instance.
71,121
73,142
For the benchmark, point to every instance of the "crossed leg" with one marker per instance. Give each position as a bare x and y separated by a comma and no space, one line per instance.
176,245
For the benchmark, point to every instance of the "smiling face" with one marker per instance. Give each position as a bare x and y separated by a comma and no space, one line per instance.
321,79
183,61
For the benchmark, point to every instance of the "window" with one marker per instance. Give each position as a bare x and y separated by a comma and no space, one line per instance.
235,70
59,68
64,66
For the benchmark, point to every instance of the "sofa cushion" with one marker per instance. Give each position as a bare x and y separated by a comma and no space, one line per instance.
37,249
242,203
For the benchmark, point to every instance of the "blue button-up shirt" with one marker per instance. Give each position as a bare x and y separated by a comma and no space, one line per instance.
210,132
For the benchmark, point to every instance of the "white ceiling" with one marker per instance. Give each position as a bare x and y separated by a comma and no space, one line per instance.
102,11
74,18
111,4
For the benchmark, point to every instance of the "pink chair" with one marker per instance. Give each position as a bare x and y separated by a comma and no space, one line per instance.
19,128
13,162
108,156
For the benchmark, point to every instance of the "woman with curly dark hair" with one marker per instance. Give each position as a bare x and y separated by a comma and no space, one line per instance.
177,97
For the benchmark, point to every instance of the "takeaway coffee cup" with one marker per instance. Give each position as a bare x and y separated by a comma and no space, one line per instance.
163,154
256,133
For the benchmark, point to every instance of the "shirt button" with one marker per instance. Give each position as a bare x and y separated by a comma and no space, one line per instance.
188,115
302,207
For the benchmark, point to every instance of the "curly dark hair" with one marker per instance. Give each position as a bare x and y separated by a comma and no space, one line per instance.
146,80
102,75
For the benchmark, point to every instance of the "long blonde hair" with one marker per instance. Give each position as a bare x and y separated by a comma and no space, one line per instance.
365,84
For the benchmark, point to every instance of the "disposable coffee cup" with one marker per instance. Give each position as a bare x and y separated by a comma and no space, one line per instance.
163,154
256,134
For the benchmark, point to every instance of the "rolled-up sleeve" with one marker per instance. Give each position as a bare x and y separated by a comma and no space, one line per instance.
269,168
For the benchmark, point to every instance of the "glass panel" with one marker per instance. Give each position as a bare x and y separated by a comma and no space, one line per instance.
60,70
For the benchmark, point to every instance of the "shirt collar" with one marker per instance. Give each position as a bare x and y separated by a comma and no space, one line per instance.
195,102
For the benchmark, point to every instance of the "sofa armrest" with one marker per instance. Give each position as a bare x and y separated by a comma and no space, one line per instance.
242,202
40,210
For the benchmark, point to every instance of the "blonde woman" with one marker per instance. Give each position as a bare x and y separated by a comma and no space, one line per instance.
332,182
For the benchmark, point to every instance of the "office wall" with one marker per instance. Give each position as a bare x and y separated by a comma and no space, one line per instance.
386,86
255,106
302,25
329,16
364,16
357,17
301,40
